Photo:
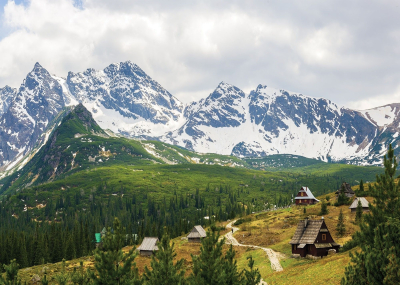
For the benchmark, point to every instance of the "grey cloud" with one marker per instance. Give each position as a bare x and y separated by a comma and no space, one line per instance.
346,51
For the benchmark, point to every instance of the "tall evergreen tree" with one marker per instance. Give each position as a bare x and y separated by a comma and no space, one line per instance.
378,261
11,275
340,227
359,212
164,271
252,276
208,266
324,208
232,276
361,186
111,264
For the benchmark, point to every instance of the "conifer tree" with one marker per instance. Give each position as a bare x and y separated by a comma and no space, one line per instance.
164,271
11,275
252,276
361,186
359,212
378,261
80,276
63,277
304,210
207,267
324,208
111,264
232,276
342,198
340,227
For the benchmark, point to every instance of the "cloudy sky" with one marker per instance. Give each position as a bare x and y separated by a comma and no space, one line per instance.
346,51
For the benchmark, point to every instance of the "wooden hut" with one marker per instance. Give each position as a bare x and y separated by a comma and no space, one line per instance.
364,204
312,238
148,246
196,234
347,190
305,197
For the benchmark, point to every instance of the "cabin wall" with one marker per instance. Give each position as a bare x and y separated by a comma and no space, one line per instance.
301,251
194,239
146,252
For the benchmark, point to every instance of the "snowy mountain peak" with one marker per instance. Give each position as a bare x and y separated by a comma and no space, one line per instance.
7,94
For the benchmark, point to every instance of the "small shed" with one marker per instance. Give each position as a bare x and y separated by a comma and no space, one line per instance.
364,204
196,234
148,246
346,188
312,238
97,239
305,197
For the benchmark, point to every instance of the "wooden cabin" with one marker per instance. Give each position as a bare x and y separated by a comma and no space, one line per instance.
313,239
196,234
305,197
347,190
148,246
364,204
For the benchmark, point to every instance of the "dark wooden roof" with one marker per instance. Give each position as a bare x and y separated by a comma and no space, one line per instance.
308,234
347,189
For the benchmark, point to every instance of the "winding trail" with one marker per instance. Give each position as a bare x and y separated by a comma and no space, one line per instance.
273,257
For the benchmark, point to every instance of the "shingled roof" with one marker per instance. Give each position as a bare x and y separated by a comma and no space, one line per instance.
149,243
197,232
308,234
347,189
309,195
364,203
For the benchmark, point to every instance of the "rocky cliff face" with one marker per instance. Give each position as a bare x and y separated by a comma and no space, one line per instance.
38,101
124,99
6,96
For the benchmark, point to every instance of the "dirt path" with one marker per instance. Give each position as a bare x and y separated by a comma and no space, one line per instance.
272,255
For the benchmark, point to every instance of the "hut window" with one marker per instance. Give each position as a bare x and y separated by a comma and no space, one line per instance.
295,247
299,201
324,237
309,248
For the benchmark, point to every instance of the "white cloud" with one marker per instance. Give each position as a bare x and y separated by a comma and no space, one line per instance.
337,50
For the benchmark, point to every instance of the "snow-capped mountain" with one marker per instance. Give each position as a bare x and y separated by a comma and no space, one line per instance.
38,101
124,99
6,96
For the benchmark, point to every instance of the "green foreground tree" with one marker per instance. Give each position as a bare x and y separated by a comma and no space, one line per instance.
11,275
340,227
324,208
359,212
164,271
378,261
112,265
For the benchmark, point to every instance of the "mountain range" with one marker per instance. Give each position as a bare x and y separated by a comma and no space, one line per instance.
125,100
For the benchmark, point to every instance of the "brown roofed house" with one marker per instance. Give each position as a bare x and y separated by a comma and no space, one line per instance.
196,234
305,197
364,204
346,189
312,238
148,246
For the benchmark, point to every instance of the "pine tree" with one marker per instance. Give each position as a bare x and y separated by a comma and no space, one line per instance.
340,227
252,276
232,276
359,212
324,208
361,186
164,271
11,274
304,210
111,264
80,276
208,266
63,277
378,261
342,198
